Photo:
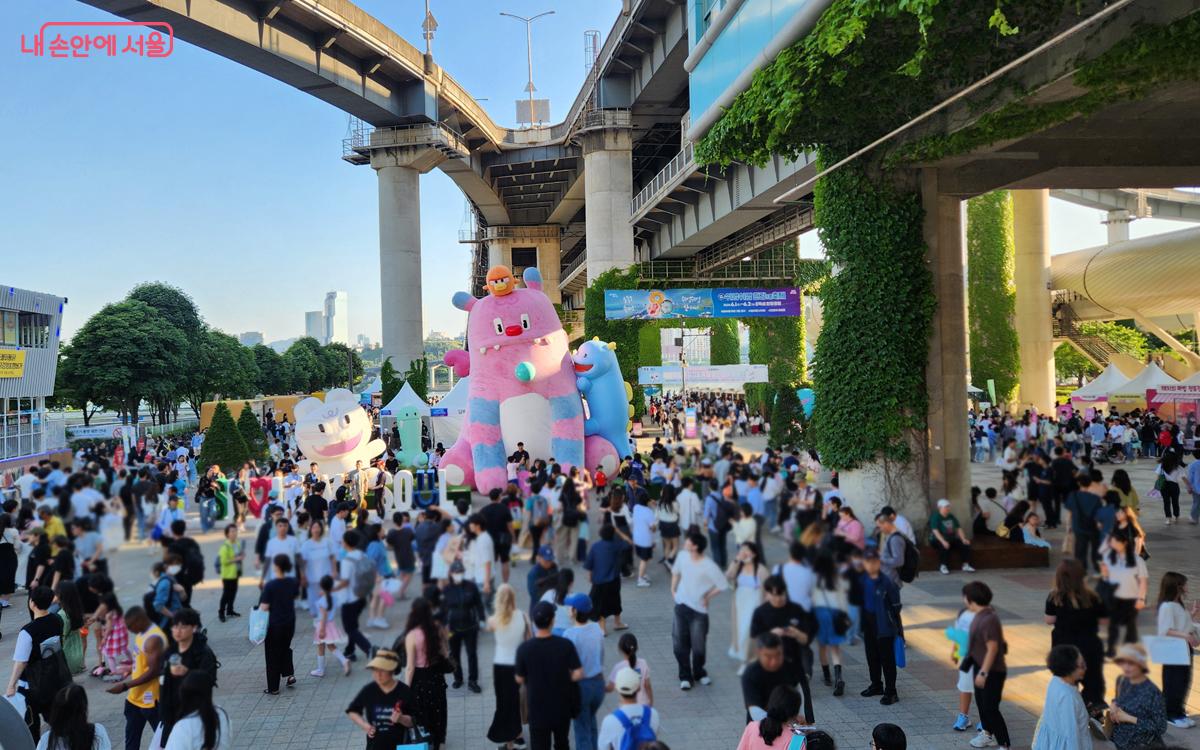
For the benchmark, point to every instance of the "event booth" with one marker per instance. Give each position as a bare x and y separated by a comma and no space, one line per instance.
1177,403
1132,394
1095,393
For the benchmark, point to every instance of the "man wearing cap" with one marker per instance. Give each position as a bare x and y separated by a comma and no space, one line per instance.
543,568
588,639
629,716
946,535
548,666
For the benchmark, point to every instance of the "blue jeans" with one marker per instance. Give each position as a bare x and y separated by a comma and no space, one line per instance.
1195,507
855,622
771,513
690,636
206,511
587,733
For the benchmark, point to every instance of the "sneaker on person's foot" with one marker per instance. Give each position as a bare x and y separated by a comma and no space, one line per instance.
872,691
317,673
983,739
1182,722
944,570
706,680
685,685
888,700
474,687
967,568
962,723
643,583
457,684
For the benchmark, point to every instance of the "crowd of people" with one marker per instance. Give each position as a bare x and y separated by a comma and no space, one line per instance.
329,546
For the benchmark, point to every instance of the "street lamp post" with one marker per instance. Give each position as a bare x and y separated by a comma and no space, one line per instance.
529,52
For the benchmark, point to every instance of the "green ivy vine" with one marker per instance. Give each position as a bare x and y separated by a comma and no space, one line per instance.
991,293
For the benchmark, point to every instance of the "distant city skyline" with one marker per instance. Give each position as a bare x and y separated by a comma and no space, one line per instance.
314,325
337,318
250,338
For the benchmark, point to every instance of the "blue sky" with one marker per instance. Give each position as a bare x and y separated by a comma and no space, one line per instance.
197,171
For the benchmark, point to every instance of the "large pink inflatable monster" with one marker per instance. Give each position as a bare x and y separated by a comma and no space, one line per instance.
522,387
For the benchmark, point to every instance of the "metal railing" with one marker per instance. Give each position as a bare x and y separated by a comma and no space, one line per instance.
1065,324
605,118
575,265
357,148
783,225
676,170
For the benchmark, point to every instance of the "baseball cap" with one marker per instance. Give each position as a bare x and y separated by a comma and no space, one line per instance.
943,503
871,554
542,615
627,681
546,552
579,602
458,567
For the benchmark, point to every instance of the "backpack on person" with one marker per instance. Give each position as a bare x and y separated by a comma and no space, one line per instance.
911,563
724,515
363,581
636,735
47,674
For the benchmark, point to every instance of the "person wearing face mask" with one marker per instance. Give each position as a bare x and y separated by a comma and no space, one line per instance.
167,599
462,611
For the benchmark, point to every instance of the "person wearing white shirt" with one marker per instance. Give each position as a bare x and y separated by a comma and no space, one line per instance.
630,713
695,580
644,525
280,544
799,577
1175,622
691,511
479,557
26,482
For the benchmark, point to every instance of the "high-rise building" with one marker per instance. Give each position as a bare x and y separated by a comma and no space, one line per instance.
250,338
314,326
337,318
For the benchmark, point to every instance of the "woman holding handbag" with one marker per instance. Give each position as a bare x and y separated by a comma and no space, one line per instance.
426,666
1174,621
833,619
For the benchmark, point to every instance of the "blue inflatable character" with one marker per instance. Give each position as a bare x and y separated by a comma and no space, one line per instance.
598,377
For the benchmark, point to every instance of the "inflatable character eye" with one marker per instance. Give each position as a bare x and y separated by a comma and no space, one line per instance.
498,325
321,427
525,321
346,419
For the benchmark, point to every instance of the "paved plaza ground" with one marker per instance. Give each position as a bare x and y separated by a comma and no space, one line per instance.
311,717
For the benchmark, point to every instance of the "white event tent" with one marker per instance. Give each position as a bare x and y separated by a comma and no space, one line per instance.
1152,376
1101,385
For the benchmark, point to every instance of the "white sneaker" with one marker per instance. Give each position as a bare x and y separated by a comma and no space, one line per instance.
945,571
1182,723
1168,521
705,680
983,739
685,685
643,583
967,568
317,673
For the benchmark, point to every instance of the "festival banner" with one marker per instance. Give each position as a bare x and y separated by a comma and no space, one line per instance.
703,375
664,304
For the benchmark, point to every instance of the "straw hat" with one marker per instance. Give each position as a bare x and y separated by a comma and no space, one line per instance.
1134,653
385,660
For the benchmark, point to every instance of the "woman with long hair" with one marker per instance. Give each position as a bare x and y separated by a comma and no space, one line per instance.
747,573
1014,521
850,530
1170,473
666,515
1075,613
69,728
774,731
829,605
1174,621
1126,575
9,536
1122,485
511,628
199,724
70,610
425,652
1126,521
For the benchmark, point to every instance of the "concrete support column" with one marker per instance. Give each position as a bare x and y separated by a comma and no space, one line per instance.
1117,223
500,252
949,469
608,190
399,170
549,262
1031,234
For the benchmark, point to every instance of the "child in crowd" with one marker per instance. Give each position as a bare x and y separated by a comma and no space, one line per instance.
327,636
628,646
966,680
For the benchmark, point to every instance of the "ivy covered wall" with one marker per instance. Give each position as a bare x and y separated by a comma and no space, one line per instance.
991,294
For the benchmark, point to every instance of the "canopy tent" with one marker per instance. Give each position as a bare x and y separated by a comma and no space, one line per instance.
974,392
450,413
1193,380
376,386
1150,377
1101,385
406,397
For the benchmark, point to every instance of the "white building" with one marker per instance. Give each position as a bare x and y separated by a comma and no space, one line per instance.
250,338
314,326
29,330
337,318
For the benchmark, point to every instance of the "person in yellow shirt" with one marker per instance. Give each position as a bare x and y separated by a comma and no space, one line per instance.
141,706
52,524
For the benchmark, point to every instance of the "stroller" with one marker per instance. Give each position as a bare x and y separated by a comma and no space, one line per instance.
1108,453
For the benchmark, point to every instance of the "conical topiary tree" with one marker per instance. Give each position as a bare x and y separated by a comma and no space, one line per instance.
223,444
252,433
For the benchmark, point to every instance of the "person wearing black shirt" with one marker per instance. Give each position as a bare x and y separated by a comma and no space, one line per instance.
400,539
462,611
795,627
426,535
194,655
315,505
279,600
548,666
384,707
761,678
1062,480
497,519
521,455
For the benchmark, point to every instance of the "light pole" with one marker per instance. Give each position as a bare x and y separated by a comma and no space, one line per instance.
529,52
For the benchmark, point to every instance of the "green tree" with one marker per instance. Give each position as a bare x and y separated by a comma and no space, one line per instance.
625,333
1070,364
991,293
223,443
127,352
417,376
1121,335
305,365
649,347
176,307
66,384
340,362
252,433
723,347
272,373
219,365
390,380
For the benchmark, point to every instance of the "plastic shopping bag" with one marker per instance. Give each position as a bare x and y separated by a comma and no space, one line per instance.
258,626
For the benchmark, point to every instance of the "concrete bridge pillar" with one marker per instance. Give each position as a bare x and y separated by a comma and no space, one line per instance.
1031,235
539,245
608,190
399,170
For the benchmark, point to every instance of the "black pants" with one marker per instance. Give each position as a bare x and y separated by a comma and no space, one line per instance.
351,611
717,544
229,587
1176,683
540,736
1170,498
136,719
881,655
964,551
988,700
470,638
690,640
801,676
1124,612
1087,549
1054,504
427,570
278,650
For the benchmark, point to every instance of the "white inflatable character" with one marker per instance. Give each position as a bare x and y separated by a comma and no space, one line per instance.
335,432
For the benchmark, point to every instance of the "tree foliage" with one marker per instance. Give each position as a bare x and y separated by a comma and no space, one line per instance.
252,433
219,366
305,365
417,376
273,377
1070,364
723,347
223,442
391,381
341,362
991,293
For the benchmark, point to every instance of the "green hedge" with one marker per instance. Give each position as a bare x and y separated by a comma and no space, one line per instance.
991,293
723,346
